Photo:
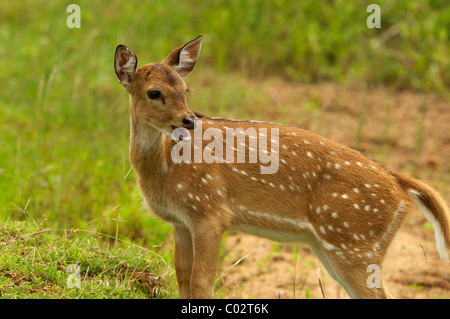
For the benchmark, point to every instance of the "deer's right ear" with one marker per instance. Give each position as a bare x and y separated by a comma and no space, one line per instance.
125,63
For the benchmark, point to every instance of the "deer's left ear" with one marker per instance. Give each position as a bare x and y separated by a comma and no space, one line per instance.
183,58
125,62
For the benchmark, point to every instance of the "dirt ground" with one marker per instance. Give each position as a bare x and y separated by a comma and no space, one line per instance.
405,131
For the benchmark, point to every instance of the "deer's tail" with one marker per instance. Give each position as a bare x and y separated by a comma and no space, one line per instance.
433,206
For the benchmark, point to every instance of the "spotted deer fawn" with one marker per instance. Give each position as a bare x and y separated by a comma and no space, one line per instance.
346,206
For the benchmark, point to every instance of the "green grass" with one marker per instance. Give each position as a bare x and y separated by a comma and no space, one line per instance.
64,118
36,264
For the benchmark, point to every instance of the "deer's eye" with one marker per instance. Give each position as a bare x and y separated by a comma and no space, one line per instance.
153,94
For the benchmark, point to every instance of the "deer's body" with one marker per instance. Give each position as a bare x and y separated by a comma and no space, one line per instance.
346,206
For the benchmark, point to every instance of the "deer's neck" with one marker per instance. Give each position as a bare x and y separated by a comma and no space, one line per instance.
148,150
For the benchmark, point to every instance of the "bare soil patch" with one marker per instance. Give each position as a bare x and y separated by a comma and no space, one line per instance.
407,132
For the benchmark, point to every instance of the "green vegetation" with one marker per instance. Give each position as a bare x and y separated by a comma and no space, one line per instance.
37,264
64,119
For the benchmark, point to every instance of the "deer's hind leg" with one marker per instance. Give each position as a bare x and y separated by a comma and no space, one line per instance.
359,279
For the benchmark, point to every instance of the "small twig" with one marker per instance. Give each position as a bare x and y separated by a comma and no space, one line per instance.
126,175
228,270
117,230
322,289
38,232
295,268
426,262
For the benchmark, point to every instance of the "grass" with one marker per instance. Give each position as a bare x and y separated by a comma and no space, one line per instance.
37,264
64,119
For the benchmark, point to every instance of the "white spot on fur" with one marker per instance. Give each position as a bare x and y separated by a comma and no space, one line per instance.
322,229
376,247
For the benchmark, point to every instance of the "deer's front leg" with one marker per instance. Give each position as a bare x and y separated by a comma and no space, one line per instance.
207,240
184,257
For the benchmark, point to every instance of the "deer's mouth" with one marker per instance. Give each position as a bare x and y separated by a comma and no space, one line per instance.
180,134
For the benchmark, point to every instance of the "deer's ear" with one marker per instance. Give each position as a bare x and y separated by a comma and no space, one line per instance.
183,58
125,62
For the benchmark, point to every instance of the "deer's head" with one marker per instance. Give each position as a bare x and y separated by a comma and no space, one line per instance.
157,90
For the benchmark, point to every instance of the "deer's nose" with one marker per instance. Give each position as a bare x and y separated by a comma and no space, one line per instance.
190,122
